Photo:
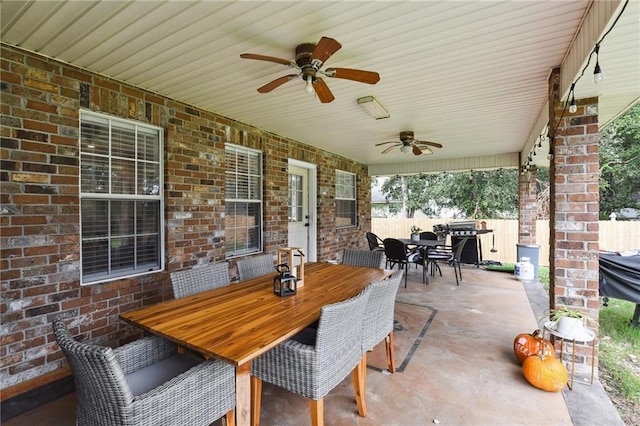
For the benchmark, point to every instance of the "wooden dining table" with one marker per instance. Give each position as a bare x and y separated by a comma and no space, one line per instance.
239,322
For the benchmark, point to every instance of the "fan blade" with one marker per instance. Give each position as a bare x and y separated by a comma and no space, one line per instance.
269,59
276,83
324,49
384,143
433,144
322,90
362,76
389,149
416,150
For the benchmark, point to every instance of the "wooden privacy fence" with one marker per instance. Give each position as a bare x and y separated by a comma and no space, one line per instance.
614,235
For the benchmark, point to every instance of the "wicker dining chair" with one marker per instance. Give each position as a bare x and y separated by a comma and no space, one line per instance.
355,257
255,266
200,278
377,324
146,382
315,361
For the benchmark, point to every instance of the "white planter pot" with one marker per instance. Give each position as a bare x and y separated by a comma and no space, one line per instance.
570,327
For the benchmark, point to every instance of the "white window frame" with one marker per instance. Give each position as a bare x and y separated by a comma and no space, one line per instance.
346,190
254,179
143,192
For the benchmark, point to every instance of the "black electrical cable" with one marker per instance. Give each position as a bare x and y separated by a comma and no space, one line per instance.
596,47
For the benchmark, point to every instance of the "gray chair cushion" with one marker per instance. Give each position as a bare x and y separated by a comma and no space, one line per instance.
151,377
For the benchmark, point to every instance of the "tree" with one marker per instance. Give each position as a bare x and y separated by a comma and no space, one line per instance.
485,194
408,189
620,163
481,194
542,193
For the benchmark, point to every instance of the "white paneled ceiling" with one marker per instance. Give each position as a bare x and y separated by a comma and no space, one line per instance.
471,75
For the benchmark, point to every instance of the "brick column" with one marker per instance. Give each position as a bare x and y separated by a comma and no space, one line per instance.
527,207
574,217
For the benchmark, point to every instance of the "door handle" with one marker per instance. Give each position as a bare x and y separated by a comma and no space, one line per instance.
306,224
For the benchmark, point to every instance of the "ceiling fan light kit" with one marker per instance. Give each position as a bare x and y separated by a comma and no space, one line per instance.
374,107
310,58
408,144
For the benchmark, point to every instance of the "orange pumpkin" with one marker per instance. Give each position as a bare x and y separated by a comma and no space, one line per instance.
527,344
544,372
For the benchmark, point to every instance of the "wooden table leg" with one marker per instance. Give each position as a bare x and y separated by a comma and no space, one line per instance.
243,394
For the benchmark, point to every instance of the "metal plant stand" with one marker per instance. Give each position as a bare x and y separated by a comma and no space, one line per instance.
588,337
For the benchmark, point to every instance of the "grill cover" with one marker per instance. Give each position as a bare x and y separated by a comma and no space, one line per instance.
620,277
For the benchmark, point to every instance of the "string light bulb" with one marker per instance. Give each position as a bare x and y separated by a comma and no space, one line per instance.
573,107
597,72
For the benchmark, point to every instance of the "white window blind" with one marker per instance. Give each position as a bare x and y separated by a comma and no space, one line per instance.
121,198
243,200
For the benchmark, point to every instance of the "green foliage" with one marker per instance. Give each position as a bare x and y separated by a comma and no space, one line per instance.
543,276
620,163
408,189
486,194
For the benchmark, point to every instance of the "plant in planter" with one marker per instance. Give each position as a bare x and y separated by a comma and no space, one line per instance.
415,233
569,322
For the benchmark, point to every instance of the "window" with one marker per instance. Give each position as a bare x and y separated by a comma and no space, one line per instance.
295,198
121,198
243,200
345,199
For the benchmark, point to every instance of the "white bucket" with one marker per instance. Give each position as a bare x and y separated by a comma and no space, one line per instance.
524,269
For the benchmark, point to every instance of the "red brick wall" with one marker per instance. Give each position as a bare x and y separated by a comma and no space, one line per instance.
574,223
40,237
527,206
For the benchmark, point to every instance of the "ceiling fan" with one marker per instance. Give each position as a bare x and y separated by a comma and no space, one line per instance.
409,144
310,57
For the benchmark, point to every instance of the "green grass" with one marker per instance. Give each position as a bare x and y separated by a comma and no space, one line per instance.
619,347
543,276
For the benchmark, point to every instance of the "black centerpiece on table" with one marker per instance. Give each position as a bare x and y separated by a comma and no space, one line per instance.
285,283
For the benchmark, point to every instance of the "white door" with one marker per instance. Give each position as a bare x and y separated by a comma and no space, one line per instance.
298,206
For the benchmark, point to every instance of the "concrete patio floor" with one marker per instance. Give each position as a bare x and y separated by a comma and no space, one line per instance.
455,361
